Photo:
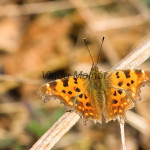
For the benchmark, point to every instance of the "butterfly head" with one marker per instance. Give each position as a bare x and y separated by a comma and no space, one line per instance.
95,74
94,68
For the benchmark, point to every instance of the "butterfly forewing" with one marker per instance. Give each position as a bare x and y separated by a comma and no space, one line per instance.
129,80
73,93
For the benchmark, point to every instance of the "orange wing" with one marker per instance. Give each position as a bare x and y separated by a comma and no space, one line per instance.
123,87
117,102
74,94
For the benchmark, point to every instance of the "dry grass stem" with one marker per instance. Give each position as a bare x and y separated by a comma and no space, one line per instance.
42,7
122,122
116,23
52,136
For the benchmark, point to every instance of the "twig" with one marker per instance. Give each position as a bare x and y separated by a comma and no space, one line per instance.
54,134
122,122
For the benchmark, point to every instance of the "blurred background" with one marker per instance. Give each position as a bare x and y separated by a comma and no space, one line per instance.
37,36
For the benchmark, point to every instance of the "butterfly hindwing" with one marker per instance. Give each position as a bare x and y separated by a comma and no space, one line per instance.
73,93
123,87
117,101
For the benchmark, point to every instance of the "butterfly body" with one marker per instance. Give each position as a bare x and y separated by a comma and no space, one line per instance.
107,93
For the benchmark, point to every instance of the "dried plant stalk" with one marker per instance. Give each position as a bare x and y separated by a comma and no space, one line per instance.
54,134
116,23
122,122
42,7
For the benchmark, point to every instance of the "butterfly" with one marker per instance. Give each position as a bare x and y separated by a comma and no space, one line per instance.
107,94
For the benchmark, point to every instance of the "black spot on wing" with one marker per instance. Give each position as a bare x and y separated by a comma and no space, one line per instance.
75,80
88,104
115,94
81,95
120,92
132,81
63,91
115,101
85,96
120,84
65,82
117,74
70,92
127,73
128,84
77,90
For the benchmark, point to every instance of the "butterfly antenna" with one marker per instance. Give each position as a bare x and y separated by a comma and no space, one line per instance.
100,48
85,41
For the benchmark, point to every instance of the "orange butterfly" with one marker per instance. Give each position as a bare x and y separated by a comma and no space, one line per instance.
107,93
